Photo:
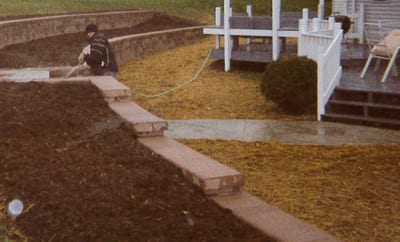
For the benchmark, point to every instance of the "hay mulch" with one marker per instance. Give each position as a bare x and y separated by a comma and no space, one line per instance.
214,94
350,191
353,192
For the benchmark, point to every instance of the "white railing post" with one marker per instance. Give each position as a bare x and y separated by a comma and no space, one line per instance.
227,35
316,25
300,47
303,28
249,10
305,14
337,28
320,83
331,22
218,24
276,12
218,16
321,9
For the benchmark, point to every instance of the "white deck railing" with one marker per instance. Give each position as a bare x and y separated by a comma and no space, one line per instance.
224,29
320,40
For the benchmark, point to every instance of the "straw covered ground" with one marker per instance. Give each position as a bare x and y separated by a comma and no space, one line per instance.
214,94
351,191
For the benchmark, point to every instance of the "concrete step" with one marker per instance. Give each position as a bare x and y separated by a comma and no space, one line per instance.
209,175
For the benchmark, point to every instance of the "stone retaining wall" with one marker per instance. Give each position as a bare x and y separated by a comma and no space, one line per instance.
132,47
24,30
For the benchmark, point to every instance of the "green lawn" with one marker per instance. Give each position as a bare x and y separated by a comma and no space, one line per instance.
194,9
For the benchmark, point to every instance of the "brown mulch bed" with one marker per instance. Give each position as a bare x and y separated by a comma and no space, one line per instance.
84,177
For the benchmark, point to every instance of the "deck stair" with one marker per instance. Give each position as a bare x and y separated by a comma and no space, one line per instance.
364,107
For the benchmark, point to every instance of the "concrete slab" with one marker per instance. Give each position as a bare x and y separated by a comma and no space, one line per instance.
23,75
293,132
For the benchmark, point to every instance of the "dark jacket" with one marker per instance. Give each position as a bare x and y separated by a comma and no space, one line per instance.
101,57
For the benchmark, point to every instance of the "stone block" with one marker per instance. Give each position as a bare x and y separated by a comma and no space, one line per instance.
208,174
139,120
111,89
270,220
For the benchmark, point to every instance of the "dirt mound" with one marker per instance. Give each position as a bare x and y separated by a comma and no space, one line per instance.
84,177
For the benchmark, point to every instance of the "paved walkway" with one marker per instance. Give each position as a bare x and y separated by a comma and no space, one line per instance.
294,132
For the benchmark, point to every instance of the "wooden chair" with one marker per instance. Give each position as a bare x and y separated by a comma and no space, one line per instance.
382,47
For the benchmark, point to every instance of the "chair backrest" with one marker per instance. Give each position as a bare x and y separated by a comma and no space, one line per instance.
374,34
392,40
382,34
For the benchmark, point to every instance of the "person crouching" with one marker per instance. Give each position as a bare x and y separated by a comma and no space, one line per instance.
101,58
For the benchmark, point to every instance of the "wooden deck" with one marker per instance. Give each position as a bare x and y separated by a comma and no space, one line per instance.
351,79
353,57
256,52
366,101
261,51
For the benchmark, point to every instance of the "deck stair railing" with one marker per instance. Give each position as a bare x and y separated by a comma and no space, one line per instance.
320,40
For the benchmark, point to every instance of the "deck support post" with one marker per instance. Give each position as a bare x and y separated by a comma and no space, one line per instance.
218,23
276,12
227,35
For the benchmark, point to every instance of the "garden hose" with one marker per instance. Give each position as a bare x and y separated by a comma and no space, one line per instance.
179,86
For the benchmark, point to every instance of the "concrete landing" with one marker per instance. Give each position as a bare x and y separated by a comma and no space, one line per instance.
292,132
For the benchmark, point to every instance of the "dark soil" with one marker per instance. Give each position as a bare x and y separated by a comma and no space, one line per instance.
66,154
64,50
81,173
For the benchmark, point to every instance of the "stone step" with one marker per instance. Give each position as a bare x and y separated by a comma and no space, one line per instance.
139,120
270,220
209,175
112,90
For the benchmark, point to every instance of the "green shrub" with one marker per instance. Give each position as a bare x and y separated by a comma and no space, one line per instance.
291,82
